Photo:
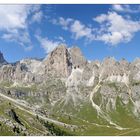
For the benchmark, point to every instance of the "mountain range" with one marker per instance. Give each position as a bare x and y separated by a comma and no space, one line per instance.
65,94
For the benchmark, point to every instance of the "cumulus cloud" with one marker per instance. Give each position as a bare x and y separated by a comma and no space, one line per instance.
14,23
125,8
118,7
37,17
78,29
46,44
115,29
63,22
13,16
22,38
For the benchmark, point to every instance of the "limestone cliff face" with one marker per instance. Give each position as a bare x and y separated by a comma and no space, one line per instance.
63,61
58,62
2,60
7,73
78,60
65,73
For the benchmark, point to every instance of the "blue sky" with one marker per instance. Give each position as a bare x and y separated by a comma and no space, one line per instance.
32,31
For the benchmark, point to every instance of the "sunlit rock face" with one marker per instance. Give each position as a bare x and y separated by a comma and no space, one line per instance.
62,62
58,62
77,58
65,73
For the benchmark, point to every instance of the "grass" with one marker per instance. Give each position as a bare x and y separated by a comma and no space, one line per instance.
113,84
5,130
83,115
6,84
123,115
30,122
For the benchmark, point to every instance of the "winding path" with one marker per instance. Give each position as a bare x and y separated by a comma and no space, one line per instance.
21,105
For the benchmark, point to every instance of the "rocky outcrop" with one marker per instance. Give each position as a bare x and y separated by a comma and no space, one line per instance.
14,116
77,58
58,62
2,60
61,63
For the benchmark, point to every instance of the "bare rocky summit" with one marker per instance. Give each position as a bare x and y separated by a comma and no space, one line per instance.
58,62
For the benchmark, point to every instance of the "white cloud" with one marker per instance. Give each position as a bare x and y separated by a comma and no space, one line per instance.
63,22
115,29
113,38
125,8
46,44
22,38
118,7
37,17
100,18
13,16
14,23
77,28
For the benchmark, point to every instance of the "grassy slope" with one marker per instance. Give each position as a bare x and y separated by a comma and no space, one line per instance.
34,125
30,122
83,116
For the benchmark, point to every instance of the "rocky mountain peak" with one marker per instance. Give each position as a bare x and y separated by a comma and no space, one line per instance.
109,61
58,62
62,59
2,60
78,60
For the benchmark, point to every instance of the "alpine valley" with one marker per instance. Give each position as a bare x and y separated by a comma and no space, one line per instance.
65,94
